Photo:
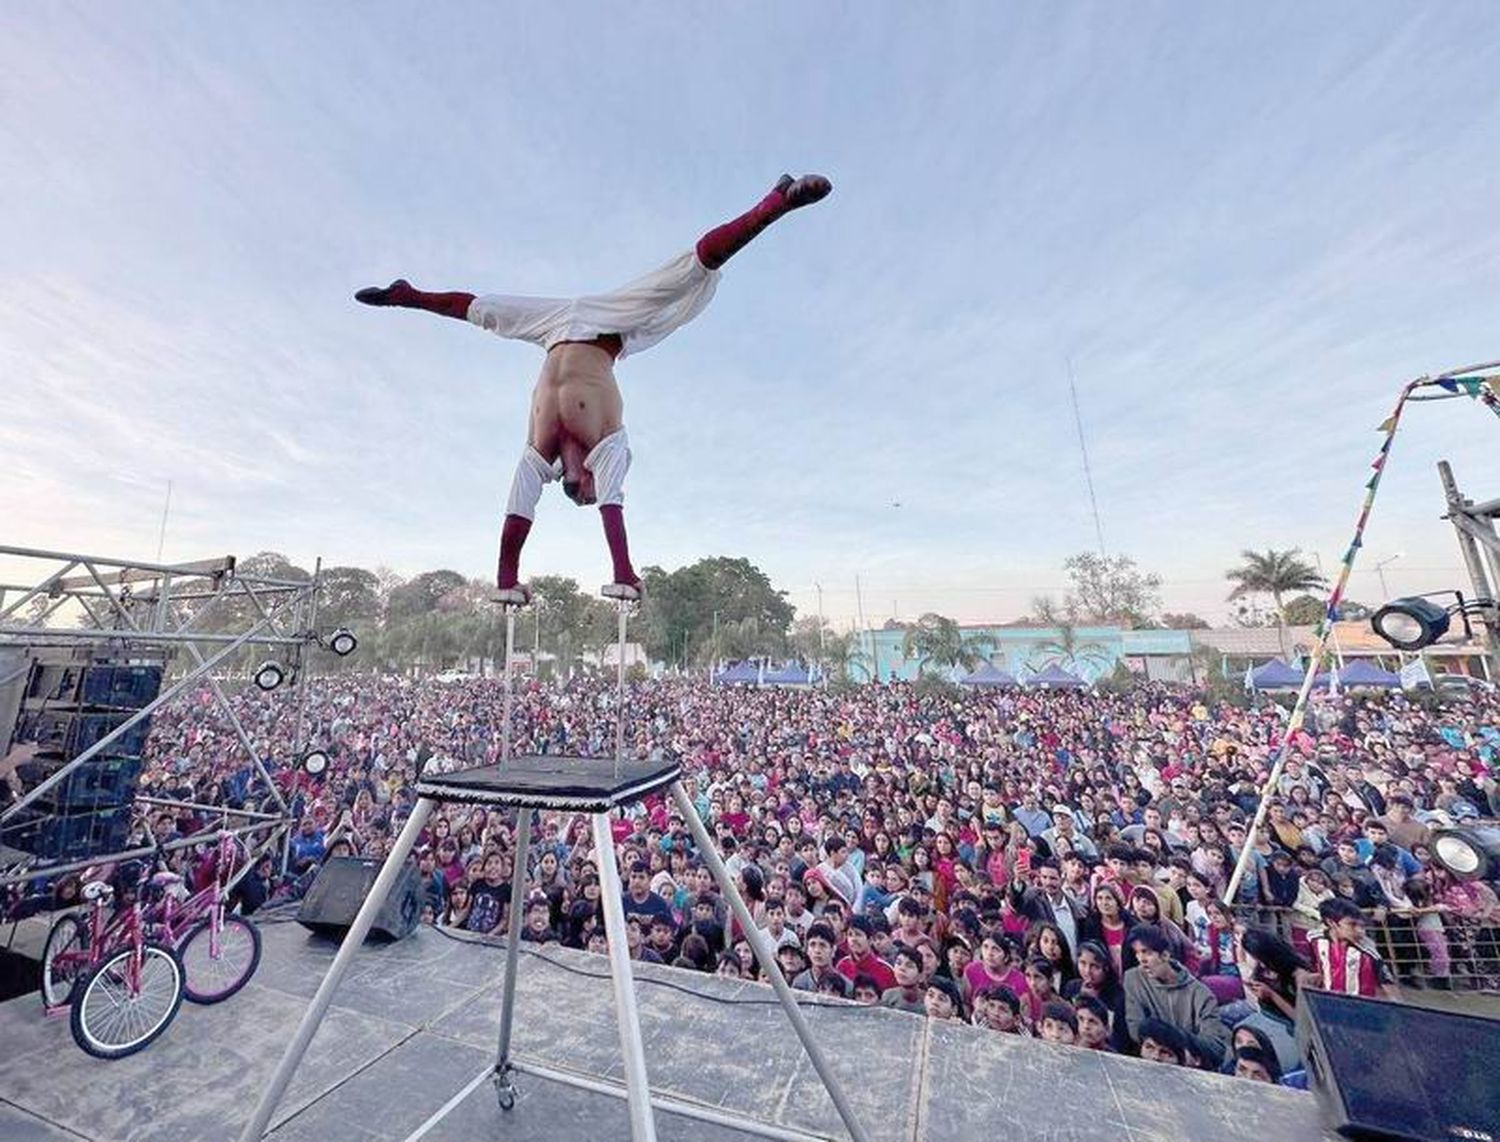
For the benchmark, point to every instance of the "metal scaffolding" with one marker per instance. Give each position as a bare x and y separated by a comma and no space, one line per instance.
208,609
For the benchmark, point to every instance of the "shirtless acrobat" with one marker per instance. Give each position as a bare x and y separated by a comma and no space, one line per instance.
577,431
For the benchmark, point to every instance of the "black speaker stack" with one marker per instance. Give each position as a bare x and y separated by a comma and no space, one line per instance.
70,704
1397,1071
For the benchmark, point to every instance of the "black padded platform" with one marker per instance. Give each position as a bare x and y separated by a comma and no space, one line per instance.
586,784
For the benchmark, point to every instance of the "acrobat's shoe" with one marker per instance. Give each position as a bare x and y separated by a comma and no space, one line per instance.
622,592
394,294
803,191
517,596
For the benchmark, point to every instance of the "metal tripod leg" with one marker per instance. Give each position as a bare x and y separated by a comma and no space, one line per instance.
623,609
638,1087
505,1089
312,1018
767,957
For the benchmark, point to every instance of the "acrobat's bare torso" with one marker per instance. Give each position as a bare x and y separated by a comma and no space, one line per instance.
575,405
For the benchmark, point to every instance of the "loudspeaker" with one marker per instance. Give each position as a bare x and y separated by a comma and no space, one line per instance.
1390,1070
340,888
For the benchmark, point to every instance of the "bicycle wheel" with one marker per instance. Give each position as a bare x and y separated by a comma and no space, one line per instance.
116,1012
65,957
210,978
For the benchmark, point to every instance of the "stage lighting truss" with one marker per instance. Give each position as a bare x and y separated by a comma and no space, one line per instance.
1415,621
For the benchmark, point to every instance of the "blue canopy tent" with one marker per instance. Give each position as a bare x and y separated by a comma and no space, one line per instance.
1275,675
792,674
740,674
1054,677
1361,672
988,674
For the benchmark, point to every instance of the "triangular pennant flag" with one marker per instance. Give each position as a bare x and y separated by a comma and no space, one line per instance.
1379,461
1375,479
1387,424
1473,385
1448,383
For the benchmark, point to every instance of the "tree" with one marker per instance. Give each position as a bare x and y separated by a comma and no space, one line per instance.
935,640
1111,589
271,565
1274,573
1065,647
423,594
844,660
810,636
348,595
1308,610
711,609
569,623
1186,620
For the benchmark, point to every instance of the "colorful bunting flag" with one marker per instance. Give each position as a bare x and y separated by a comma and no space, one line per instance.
1387,424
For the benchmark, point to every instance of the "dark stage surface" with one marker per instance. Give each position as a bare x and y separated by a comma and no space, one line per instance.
416,1021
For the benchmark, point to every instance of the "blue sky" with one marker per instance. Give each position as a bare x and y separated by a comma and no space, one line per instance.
1246,226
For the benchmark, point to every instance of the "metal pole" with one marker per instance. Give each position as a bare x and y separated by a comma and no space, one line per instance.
504,1086
312,1018
767,957
510,645
642,1127
1458,514
621,607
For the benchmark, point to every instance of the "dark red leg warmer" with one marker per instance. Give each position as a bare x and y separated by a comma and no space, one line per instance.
512,538
723,242
619,548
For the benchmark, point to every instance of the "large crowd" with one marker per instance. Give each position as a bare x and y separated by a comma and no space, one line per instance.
1050,864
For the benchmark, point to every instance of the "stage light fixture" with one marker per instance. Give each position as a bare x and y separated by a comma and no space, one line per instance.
342,642
1469,852
1411,623
270,675
315,762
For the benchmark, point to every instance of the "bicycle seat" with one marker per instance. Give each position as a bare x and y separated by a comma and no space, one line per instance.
97,890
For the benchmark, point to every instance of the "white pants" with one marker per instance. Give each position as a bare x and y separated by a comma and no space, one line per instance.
642,312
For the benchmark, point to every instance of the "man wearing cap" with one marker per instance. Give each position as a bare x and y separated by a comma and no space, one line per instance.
1065,827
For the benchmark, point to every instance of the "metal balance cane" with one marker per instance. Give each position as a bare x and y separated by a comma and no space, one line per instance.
565,784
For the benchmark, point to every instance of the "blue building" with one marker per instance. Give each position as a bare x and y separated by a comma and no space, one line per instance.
1160,655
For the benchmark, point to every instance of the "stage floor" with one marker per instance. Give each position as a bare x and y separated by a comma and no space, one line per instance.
415,1024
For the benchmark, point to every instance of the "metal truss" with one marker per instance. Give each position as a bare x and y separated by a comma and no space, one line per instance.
207,609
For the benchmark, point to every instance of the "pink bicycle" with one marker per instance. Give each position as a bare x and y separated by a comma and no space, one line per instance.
219,951
131,995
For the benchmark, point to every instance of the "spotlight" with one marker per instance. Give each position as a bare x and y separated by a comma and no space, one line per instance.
1468,852
1411,623
270,675
342,642
314,762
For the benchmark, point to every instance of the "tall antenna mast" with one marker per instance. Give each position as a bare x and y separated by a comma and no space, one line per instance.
1088,473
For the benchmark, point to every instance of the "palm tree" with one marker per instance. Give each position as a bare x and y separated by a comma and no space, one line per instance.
937,640
1274,573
